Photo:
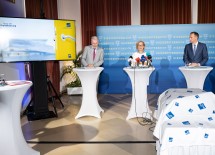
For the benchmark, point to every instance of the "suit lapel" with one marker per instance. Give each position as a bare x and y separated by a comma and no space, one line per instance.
91,49
191,49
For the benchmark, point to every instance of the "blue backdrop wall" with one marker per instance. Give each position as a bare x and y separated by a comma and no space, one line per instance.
165,43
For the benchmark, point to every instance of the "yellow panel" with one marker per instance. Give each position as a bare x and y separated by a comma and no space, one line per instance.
65,39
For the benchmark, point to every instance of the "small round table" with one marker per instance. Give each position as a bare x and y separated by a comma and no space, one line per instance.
195,76
89,77
139,80
11,138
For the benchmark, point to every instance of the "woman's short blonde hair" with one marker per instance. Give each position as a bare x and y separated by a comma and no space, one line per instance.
138,44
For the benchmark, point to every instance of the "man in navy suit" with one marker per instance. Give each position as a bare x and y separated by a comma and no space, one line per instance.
195,53
93,55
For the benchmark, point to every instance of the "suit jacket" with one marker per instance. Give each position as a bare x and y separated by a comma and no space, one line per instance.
201,54
87,57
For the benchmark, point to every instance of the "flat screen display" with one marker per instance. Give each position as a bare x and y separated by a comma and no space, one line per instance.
23,39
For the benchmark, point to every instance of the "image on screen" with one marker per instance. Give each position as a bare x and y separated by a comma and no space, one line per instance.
25,39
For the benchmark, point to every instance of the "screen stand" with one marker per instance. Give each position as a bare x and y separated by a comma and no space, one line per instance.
39,106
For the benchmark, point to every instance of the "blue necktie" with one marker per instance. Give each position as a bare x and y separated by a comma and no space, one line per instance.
194,49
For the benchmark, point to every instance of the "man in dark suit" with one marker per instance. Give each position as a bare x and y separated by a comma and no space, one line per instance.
195,53
93,55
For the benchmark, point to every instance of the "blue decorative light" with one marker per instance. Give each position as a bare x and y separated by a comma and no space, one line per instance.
180,96
190,110
187,132
170,115
197,96
170,139
176,104
201,106
210,118
206,135
186,123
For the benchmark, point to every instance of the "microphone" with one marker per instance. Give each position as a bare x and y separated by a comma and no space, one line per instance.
130,59
137,59
149,56
143,58
149,62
